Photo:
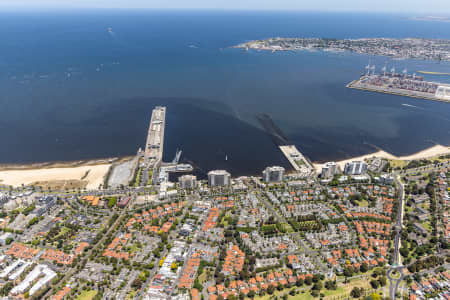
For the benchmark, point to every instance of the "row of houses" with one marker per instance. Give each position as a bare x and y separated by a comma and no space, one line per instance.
435,286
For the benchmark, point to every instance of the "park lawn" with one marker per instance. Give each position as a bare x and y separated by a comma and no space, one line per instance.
425,205
224,221
63,231
302,296
333,293
409,209
438,158
131,295
426,225
134,248
202,277
87,295
362,203
397,163
287,227
344,289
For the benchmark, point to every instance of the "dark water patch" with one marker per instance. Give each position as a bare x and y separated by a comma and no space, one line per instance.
272,130
213,140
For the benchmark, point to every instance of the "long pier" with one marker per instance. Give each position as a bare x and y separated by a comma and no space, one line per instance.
298,161
442,94
155,137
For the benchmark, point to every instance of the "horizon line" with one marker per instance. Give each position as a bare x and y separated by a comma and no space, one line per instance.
24,8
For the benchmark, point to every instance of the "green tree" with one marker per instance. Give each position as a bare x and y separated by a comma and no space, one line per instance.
356,292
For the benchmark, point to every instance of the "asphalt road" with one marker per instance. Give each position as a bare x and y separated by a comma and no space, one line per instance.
394,282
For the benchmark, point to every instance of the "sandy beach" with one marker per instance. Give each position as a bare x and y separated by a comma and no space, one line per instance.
93,174
426,153
94,177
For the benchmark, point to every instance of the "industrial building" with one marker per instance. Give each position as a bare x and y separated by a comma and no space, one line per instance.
273,174
218,178
329,170
187,181
355,168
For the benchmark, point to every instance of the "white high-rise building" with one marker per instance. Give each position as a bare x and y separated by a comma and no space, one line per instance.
273,174
329,169
219,178
187,181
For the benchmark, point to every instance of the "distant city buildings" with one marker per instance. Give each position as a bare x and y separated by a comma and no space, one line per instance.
329,169
355,168
273,174
219,178
408,48
187,181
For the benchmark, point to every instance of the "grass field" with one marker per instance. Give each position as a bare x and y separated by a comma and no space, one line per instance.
426,225
343,290
287,227
87,295
363,203
202,277
301,296
63,231
131,295
134,248
397,163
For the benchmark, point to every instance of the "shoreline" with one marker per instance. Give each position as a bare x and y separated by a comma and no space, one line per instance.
63,163
430,152
92,172
81,173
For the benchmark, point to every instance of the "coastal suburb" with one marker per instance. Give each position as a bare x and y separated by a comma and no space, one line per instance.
375,226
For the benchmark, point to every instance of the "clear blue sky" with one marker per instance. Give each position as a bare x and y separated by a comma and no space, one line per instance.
407,6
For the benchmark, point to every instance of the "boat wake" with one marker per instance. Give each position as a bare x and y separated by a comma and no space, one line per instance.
409,105
437,115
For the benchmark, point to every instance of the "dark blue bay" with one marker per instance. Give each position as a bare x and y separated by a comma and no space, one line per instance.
70,89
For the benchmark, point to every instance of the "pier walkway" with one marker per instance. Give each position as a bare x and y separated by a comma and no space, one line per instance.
298,161
155,137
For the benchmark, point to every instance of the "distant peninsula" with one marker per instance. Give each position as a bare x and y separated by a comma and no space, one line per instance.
406,48
432,18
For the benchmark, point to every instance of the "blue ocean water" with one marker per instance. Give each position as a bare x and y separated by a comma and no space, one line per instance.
81,84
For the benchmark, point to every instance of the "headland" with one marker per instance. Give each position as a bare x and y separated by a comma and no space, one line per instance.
407,48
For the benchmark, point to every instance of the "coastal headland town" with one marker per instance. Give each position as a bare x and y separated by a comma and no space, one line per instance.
389,82
407,48
376,225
